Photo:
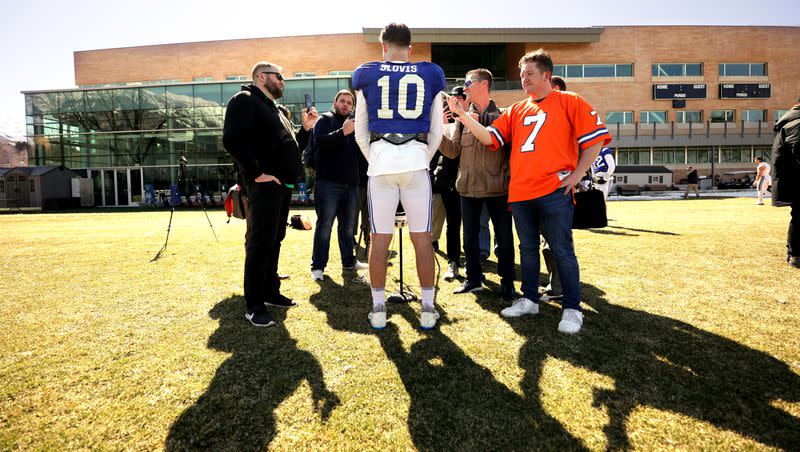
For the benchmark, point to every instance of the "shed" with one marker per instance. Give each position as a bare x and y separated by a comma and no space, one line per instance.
645,177
48,187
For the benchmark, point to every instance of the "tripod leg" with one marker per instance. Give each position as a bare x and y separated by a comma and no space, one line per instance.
198,196
169,226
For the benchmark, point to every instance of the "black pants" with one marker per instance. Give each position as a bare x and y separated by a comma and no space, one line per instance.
497,206
793,237
452,216
268,210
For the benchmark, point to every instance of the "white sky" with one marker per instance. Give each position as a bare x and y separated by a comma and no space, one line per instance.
39,36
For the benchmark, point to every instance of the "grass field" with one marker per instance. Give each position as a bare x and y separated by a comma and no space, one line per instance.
690,341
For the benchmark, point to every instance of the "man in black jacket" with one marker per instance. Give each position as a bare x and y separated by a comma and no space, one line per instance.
265,146
337,159
786,176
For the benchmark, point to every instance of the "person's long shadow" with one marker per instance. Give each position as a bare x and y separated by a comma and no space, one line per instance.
456,403
665,364
266,366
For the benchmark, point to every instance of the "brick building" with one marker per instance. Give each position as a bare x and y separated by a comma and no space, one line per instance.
671,95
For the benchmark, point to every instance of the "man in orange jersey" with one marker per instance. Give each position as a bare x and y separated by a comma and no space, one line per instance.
546,132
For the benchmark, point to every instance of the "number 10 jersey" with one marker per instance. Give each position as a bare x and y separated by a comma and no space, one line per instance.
399,95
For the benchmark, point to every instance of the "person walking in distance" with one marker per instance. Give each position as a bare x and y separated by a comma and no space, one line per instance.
763,179
692,182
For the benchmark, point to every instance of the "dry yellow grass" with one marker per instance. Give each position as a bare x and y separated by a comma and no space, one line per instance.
690,341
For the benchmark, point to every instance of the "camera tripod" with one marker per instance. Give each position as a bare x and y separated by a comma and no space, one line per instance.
182,181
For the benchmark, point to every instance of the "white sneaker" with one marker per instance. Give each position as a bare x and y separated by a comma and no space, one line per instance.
571,321
520,307
377,318
452,271
427,320
358,265
317,275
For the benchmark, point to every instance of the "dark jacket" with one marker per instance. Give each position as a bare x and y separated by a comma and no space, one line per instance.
692,177
786,158
337,157
255,133
444,172
481,172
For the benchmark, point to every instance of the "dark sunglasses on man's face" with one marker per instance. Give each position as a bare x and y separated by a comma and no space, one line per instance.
469,82
277,75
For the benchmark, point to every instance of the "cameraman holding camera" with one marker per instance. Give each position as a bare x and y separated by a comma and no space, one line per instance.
337,160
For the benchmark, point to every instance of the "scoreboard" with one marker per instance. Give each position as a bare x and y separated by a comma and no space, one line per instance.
670,91
745,91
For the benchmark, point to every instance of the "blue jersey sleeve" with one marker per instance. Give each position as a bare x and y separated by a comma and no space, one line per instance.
399,96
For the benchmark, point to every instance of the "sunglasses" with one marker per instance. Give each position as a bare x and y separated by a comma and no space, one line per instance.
469,82
277,75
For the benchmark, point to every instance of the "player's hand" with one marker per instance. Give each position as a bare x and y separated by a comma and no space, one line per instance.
349,126
455,106
263,178
309,116
570,182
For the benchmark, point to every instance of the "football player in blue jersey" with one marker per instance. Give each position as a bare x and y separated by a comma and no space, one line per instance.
603,170
398,128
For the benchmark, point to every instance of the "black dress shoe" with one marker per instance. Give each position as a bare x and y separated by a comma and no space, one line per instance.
280,301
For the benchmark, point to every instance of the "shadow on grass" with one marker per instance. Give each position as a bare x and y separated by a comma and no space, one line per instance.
266,366
456,403
666,364
648,231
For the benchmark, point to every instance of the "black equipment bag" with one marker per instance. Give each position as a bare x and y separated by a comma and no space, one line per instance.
590,210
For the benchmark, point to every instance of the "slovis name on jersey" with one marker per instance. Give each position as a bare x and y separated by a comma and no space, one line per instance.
399,95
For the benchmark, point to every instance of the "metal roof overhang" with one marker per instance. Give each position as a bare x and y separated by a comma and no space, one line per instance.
495,35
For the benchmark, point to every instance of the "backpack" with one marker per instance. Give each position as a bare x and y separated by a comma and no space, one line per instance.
300,222
309,153
234,206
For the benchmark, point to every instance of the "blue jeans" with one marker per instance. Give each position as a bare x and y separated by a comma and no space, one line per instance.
339,201
553,214
497,206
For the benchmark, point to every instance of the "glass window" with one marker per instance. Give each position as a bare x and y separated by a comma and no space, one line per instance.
742,69
305,74
126,99
599,70
653,117
688,116
736,154
575,70
237,77
202,79
698,154
624,70
340,72
676,69
694,69
721,116
43,103
180,97
778,114
619,117
208,95
764,151
560,70
325,91
72,102
152,98
754,115
228,90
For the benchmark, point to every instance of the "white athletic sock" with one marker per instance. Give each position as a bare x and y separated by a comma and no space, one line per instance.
427,297
378,297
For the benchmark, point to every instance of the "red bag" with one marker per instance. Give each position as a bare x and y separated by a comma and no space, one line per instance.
234,206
